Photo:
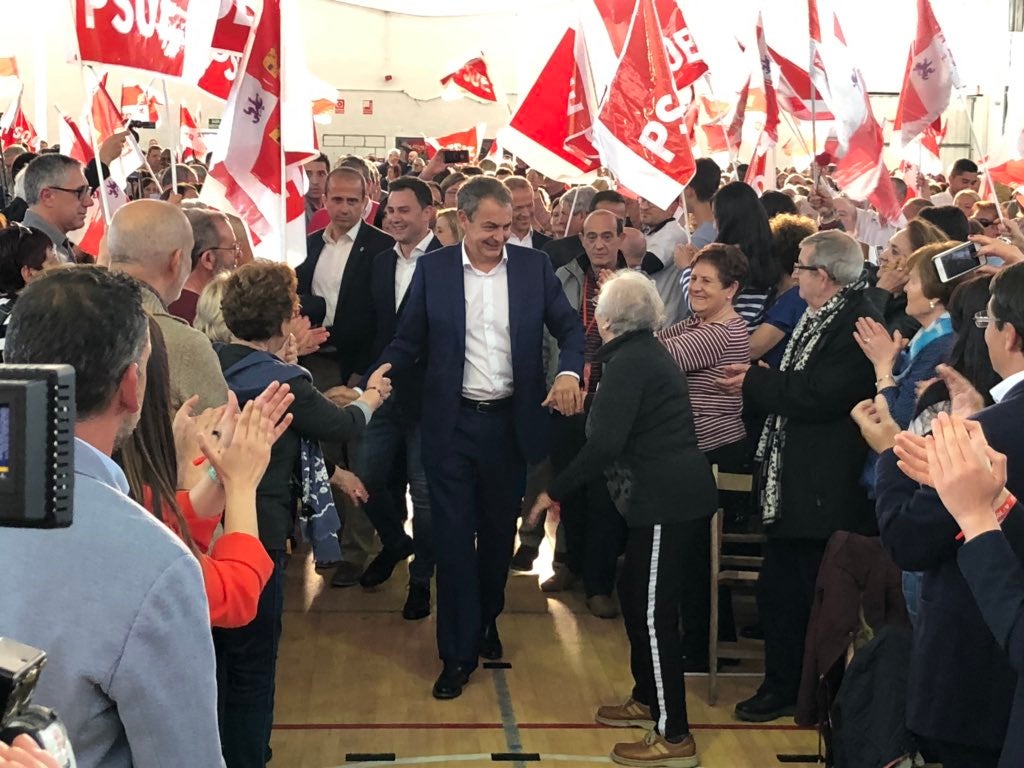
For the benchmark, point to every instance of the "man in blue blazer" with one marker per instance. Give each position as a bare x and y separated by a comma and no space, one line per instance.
961,684
477,313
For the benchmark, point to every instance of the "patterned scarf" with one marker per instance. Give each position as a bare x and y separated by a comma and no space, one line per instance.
770,447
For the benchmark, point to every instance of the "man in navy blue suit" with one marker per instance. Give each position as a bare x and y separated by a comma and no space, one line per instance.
477,312
961,715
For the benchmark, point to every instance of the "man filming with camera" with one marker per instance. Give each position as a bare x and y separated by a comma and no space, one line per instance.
115,600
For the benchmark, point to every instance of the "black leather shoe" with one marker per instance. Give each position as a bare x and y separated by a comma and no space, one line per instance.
383,565
417,604
490,643
522,560
453,678
765,706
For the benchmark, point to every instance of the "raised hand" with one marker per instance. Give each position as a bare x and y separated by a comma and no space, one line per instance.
877,345
276,399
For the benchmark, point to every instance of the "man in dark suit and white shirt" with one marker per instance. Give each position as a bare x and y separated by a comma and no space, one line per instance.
477,312
395,430
523,206
334,288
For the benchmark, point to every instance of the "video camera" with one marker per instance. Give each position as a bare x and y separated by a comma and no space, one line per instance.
37,431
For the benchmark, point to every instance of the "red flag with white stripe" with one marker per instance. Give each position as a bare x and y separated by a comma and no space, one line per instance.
795,93
90,236
473,78
928,81
470,139
72,141
860,170
640,130
138,103
771,102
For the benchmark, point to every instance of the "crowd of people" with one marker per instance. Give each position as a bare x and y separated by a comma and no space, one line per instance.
501,349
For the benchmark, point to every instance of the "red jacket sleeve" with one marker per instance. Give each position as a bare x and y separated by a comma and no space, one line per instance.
200,528
235,572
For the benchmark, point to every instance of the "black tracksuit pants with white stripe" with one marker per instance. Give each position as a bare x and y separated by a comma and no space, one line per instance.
659,568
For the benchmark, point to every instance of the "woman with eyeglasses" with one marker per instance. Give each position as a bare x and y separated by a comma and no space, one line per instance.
24,253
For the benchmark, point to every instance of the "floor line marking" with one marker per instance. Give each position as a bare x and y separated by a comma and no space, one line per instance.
513,740
434,759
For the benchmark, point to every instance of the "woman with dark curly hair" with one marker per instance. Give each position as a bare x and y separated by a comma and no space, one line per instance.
259,301
24,253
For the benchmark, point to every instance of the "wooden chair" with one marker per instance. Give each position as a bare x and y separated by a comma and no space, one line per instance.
730,570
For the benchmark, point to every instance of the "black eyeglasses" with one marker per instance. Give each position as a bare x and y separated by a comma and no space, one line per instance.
233,247
987,222
798,267
83,192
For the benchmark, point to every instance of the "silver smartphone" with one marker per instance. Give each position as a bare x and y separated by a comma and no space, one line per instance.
958,261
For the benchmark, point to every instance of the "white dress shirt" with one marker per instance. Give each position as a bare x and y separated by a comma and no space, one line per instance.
1002,389
330,268
405,267
525,242
487,374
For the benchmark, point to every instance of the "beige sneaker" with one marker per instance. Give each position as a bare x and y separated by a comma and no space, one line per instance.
559,581
654,751
632,714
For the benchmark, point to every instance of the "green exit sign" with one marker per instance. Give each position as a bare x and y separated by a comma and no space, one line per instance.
214,122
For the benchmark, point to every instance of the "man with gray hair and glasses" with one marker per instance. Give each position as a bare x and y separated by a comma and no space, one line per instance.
810,453
58,198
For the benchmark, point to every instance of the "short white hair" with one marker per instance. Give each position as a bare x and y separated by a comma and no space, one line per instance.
629,301
837,253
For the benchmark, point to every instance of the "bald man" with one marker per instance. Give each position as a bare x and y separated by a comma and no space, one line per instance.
152,241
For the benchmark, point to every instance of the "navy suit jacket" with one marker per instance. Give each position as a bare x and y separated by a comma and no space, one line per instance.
408,385
961,684
353,330
433,325
993,572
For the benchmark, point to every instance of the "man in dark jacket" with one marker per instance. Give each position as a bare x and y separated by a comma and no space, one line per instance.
811,455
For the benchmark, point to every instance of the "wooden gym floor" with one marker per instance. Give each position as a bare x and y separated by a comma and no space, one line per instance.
354,679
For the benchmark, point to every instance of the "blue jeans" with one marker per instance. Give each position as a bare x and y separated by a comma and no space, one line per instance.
373,457
246,667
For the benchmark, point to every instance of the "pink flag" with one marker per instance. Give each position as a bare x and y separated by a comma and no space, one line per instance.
539,129
473,77
929,79
640,129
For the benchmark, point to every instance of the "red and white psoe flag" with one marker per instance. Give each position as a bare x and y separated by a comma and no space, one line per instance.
16,129
266,137
473,78
928,81
192,143
771,102
168,38
640,130
72,141
471,139
761,170
539,129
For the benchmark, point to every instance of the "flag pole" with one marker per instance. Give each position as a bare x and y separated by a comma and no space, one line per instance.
99,171
174,139
982,157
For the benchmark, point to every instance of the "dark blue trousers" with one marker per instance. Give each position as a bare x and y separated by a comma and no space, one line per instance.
475,491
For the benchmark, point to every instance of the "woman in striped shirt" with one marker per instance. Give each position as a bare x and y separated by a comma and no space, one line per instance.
715,336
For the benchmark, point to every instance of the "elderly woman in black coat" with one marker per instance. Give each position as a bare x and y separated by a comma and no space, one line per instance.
640,434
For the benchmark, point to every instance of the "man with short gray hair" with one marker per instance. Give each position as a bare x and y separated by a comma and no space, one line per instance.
151,240
58,198
566,246
811,454
215,249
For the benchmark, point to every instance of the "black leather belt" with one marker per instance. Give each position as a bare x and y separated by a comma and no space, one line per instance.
487,406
